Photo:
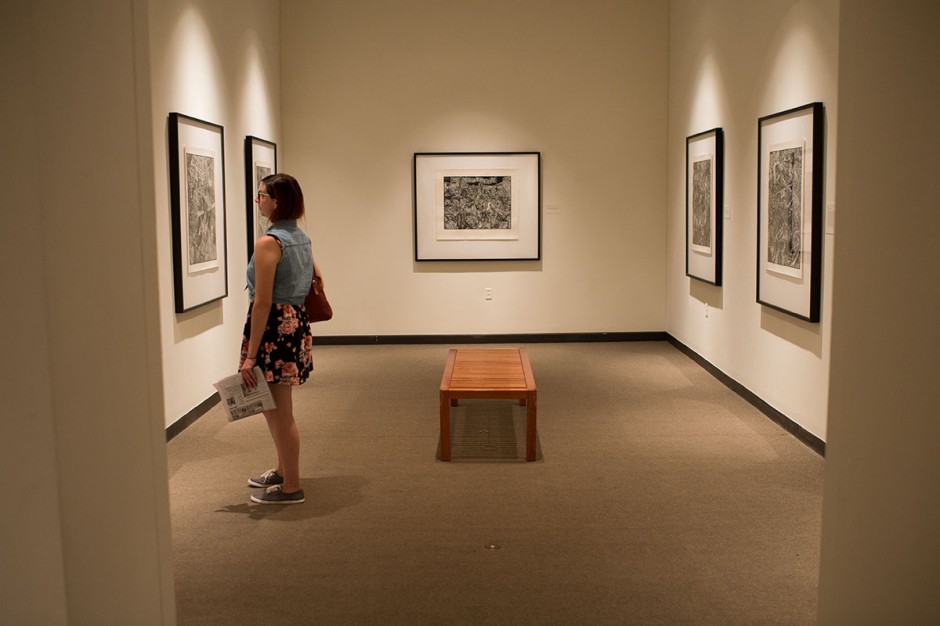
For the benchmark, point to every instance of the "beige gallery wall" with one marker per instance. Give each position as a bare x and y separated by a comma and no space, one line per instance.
881,507
217,62
731,63
367,84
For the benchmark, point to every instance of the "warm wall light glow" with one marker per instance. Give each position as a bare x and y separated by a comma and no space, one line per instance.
797,51
257,112
196,73
799,65
707,94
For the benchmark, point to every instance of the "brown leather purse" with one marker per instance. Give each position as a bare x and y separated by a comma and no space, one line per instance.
318,307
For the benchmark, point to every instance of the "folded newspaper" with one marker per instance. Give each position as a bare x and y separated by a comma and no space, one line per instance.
240,400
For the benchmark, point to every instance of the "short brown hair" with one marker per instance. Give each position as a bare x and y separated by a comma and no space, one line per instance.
285,189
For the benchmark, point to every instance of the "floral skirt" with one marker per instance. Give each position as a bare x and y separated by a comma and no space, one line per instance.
286,352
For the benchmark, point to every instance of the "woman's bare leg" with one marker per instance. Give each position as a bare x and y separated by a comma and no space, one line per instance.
286,437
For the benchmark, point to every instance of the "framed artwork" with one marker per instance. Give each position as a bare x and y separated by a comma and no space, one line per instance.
477,206
260,161
704,201
790,164
197,198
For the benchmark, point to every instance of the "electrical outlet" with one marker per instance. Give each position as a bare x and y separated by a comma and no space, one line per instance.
488,293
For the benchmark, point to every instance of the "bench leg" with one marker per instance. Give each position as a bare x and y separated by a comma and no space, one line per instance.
530,414
445,428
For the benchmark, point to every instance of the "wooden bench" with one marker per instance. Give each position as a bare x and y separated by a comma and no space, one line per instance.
489,374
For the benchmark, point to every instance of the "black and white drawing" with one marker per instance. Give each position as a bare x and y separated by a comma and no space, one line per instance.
790,171
702,205
477,202
704,193
260,161
197,202
203,251
477,206
785,209
262,170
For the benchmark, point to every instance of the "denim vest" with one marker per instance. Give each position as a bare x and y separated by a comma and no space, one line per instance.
295,269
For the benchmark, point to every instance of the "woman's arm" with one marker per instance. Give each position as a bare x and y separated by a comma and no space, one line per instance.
317,274
267,256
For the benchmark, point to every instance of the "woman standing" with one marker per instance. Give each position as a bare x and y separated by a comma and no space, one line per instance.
277,336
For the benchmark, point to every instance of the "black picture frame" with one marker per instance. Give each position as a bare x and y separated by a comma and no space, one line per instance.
790,180
704,205
477,206
260,161
196,157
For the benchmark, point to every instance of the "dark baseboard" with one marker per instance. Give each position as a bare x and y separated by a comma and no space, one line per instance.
190,418
360,340
809,439
813,442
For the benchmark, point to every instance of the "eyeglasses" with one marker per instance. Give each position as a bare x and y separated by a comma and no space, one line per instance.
261,193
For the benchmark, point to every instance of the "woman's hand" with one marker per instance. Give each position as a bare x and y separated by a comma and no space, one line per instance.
248,375
318,275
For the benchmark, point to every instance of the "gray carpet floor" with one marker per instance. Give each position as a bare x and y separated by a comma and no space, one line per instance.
658,497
